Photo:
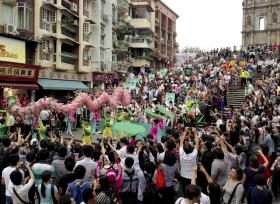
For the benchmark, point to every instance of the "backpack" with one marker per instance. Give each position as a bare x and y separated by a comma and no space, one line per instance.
130,196
151,193
111,174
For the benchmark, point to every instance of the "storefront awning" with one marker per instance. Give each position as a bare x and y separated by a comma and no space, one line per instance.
19,86
65,85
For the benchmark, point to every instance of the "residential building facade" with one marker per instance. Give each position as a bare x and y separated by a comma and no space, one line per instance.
63,29
121,35
261,23
141,40
165,36
17,48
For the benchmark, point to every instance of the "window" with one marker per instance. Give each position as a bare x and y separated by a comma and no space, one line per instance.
7,14
25,16
86,27
86,57
47,49
248,20
261,23
274,18
48,15
140,13
48,18
102,36
102,8
102,55
86,5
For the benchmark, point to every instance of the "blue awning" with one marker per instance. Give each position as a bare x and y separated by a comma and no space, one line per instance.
67,85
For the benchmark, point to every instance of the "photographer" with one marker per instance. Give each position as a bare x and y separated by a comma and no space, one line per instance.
20,185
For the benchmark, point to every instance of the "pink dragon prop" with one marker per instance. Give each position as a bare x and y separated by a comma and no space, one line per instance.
119,97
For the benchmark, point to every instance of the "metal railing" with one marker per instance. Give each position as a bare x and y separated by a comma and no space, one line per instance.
68,58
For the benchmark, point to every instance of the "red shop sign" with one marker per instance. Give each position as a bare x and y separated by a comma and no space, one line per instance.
11,71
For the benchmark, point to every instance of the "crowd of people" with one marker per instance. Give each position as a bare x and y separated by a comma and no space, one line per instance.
208,154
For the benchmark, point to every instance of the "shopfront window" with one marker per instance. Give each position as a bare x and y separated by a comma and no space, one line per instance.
25,16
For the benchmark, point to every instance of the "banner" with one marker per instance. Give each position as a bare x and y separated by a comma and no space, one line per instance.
162,73
152,77
169,97
133,83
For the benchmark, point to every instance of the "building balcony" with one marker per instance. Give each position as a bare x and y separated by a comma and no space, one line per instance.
140,23
122,26
147,3
120,46
122,7
105,18
49,2
69,28
141,42
68,58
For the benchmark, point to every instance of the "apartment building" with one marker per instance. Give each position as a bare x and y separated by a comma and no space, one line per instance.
121,33
63,29
165,36
141,41
17,48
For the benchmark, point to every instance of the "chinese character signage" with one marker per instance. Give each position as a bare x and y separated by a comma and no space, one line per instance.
12,50
104,77
49,73
10,71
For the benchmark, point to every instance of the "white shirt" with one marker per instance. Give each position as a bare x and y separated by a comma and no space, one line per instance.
122,152
188,161
21,190
204,199
90,167
6,176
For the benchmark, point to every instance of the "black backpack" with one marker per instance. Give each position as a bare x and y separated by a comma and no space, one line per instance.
130,197
151,193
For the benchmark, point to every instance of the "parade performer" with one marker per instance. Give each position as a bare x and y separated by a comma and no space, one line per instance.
42,130
94,119
86,133
107,132
69,119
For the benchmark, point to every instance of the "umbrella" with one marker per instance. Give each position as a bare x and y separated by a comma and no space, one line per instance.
129,129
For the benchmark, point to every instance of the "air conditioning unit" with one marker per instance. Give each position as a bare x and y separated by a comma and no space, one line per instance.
49,1
76,22
86,57
74,7
9,29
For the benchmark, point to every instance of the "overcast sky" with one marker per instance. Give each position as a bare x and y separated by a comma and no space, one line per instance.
208,23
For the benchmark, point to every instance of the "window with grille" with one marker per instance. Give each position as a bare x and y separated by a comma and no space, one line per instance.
86,27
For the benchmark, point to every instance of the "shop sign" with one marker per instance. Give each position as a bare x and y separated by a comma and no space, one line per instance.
10,71
12,50
104,77
51,74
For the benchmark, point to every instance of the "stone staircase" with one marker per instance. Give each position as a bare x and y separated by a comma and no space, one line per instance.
235,96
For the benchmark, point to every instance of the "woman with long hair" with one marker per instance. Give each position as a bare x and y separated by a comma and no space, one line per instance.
47,192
